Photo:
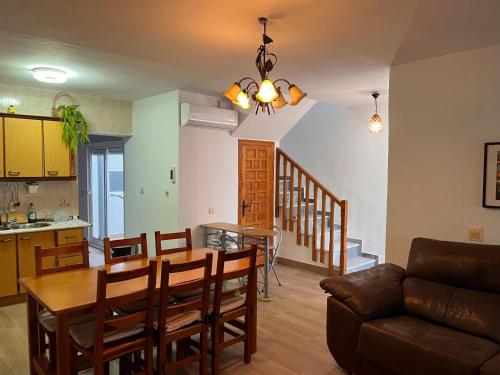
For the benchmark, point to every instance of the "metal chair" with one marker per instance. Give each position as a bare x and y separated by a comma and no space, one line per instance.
274,251
229,244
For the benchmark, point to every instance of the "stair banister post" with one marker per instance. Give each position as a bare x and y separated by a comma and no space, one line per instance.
277,184
343,235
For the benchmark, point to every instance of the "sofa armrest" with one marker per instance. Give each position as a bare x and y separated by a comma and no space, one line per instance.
370,293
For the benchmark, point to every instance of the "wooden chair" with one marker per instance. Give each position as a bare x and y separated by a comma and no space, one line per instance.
173,236
109,245
47,321
230,304
180,321
110,337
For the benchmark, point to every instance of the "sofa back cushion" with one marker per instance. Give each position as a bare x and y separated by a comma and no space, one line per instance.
463,265
455,284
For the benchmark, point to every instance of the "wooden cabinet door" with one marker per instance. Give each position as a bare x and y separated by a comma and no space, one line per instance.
8,269
69,237
2,172
26,251
56,152
23,147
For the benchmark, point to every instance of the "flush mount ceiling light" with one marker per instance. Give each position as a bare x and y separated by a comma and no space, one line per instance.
267,96
50,75
376,121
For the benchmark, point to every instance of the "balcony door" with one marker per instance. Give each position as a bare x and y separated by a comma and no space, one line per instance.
105,192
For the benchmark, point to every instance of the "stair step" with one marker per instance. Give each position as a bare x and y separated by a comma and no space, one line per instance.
359,263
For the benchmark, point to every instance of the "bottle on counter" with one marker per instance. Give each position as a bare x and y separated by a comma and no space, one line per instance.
31,214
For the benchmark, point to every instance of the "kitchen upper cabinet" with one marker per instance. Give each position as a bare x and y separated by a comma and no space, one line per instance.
23,147
26,251
56,152
8,266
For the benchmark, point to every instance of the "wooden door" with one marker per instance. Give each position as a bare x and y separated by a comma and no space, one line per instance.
8,269
26,243
256,183
23,147
56,152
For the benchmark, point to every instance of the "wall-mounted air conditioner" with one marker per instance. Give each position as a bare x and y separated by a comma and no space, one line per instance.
210,117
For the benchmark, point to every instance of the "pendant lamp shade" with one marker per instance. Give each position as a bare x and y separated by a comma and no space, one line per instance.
296,94
280,101
232,92
267,92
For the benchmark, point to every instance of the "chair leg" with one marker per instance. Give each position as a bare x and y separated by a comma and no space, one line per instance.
52,350
276,275
215,363
161,354
247,347
148,356
203,350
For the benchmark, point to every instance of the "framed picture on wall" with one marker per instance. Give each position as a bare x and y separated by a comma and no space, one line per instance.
491,175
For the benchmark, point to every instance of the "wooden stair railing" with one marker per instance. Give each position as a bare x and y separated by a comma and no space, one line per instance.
292,176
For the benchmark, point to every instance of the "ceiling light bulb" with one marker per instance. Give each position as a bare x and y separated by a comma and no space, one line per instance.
50,75
375,124
232,92
267,92
243,100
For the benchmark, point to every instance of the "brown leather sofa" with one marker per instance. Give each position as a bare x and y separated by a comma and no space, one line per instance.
440,316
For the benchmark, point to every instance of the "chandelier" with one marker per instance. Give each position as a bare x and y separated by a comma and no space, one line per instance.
375,125
268,95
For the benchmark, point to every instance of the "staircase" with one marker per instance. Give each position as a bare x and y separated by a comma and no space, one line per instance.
319,219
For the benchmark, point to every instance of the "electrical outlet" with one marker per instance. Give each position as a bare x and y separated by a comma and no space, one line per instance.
141,190
475,233
167,194
211,210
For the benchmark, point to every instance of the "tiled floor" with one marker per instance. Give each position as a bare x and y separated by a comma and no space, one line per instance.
291,332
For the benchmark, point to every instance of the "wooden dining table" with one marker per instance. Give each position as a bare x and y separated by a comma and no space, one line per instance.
68,293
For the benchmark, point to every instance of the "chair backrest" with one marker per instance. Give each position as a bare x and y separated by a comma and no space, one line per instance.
145,277
277,239
167,270
82,248
109,245
229,244
159,237
224,275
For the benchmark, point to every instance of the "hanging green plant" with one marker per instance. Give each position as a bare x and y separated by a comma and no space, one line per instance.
75,127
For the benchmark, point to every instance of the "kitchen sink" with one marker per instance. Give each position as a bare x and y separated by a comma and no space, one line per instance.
30,225
4,228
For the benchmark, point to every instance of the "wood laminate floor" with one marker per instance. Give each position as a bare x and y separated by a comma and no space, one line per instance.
291,333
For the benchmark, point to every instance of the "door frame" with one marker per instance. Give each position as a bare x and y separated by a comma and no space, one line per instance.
105,146
266,144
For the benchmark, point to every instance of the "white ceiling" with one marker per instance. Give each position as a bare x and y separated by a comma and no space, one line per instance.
336,50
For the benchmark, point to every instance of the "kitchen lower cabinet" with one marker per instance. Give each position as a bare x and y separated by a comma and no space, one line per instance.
69,237
8,263
26,251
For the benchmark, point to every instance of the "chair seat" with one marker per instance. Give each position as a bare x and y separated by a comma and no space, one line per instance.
231,304
48,320
180,320
420,347
84,333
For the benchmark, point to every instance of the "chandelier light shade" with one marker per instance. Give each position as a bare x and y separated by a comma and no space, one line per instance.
268,94
375,125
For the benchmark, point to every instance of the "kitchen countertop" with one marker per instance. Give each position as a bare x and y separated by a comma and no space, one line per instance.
60,225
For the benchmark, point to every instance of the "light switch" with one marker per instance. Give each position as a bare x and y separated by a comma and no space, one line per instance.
476,233
211,210
167,194
142,190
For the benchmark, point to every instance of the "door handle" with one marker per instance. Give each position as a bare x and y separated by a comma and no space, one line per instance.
7,240
53,173
26,238
244,206
14,173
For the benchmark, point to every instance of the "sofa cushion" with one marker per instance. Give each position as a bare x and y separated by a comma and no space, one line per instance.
491,367
474,312
463,265
426,299
407,345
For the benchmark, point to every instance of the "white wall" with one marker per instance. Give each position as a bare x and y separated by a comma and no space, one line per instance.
334,145
442,111
105,116
149,155
208,173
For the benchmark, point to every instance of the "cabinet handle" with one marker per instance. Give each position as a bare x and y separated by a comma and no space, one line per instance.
26,238
7,240
14,173
53,173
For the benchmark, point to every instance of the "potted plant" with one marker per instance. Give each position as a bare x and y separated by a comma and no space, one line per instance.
75,127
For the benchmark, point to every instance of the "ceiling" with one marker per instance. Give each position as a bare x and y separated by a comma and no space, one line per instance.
336,50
